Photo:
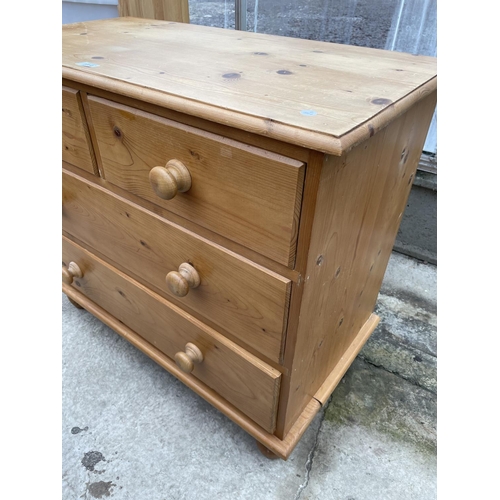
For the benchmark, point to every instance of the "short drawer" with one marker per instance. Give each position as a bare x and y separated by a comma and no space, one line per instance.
239,377
76,146
241,192
241,297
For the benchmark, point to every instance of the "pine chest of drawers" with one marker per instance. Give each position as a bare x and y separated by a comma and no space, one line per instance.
230,203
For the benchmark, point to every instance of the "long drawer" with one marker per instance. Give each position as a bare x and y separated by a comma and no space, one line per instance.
244,193
240,296
238,376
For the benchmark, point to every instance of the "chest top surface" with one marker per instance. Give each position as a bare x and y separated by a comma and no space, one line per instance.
318,95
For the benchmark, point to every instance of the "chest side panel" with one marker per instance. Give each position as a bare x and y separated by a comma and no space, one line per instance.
360,203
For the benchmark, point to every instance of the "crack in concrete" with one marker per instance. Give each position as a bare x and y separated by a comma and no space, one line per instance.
400,375
312,454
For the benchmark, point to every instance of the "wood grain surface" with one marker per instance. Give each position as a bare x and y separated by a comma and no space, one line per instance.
76,146
258,258
318,95
279,147
246,194
311,185
333,137
240,378
240,296
335,376
359,206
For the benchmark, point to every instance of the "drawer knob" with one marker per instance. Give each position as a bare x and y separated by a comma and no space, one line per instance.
186,360
71,272
179,282
168,180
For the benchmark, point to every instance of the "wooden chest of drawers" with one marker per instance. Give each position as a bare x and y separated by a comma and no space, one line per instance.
230,202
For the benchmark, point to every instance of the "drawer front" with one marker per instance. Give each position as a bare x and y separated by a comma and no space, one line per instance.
76,148
244,193
239,377
247,300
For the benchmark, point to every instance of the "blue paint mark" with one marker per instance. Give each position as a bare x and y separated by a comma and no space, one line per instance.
87,64
308,112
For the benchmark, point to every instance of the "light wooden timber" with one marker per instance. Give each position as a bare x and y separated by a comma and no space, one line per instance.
189,357
93,138
166,10
281,447
263,261
335,376
179,303
169,180
266,451
275,169
250,301
360,202
318,95
282,148
70,272
76,147
74,303
313,175
236,375
245,193
179,282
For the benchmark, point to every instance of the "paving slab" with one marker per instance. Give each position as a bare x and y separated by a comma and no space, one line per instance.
377,440
405,341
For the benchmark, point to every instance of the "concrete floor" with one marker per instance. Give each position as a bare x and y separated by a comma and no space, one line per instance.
132,431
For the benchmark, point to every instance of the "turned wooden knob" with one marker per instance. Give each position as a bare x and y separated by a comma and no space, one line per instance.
71,272
168,180
186,360
179,282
